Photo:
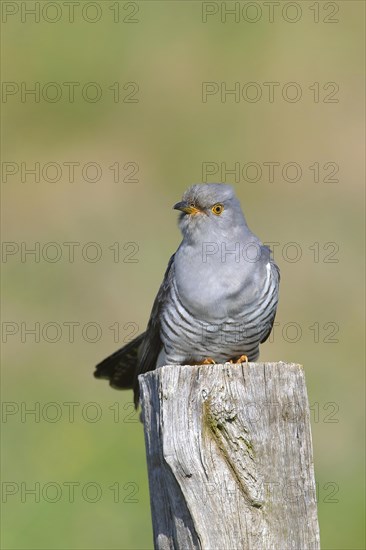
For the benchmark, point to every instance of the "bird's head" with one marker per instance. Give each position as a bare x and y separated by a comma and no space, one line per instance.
210,210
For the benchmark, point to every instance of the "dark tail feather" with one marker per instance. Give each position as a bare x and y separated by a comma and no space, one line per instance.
119,368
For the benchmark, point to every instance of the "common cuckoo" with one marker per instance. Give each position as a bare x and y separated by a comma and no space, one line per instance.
218,298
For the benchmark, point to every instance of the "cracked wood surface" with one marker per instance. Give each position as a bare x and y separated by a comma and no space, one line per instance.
230,458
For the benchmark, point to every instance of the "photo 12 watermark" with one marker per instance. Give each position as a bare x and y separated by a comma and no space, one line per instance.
69,171
252,252
270,12
70,252
270,171
67,332
269,92
69,92
290,332
30,12
68,412
291,491
91,492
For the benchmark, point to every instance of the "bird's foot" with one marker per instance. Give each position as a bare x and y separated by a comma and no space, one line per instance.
241,359
207,361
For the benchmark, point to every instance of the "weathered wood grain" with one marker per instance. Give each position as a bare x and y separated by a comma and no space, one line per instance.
229,456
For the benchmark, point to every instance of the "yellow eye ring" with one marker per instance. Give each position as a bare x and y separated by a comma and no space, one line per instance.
217,208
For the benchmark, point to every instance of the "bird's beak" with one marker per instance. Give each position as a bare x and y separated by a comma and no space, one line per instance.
185,207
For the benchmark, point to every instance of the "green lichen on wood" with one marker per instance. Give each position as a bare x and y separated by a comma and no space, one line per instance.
215,428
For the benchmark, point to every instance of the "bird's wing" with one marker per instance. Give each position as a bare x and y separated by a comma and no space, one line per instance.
119,368
152,344
276,274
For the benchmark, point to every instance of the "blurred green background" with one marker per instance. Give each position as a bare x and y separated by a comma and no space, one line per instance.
168,133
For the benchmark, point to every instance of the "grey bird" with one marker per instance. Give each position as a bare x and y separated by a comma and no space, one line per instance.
217,301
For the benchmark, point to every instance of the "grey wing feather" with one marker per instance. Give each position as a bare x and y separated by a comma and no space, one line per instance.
152,344
277,276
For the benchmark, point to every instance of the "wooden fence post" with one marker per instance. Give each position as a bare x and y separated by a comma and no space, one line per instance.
229,457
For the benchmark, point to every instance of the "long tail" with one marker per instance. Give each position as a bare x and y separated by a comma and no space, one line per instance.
119,368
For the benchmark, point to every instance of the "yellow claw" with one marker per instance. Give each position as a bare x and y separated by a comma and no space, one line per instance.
207,361
241,359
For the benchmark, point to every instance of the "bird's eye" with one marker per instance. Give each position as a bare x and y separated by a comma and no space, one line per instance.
217,208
